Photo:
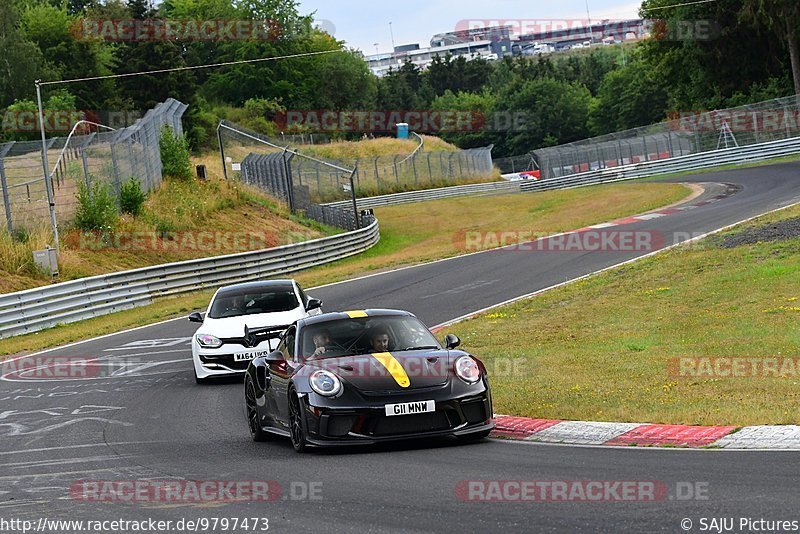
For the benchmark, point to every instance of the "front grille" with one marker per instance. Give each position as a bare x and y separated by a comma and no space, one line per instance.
410,424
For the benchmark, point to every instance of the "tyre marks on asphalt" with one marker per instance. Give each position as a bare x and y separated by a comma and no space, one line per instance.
56,414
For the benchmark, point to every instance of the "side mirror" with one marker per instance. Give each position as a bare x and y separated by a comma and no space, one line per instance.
451,341
196,317
313,304
275,356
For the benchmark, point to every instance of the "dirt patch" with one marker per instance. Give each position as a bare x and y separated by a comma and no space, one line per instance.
777,231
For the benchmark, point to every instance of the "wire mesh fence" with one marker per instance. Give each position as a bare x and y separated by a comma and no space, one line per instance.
686,133
267,162
516,164
99,157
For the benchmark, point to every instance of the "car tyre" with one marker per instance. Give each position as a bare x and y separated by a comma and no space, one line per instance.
251,410
297,426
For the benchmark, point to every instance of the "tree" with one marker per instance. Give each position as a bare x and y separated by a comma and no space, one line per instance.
555,112
481,131
52,30
627,98
783,18
21,62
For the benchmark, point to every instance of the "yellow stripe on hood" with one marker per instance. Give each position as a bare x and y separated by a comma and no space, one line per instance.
393,366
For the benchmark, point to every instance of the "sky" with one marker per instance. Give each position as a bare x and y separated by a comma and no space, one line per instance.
362,23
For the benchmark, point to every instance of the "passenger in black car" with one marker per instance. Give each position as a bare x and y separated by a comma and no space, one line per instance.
379,339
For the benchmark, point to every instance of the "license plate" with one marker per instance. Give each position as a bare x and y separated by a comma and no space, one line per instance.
408,408
247,356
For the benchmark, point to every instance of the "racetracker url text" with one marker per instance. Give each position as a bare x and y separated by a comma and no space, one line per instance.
202,524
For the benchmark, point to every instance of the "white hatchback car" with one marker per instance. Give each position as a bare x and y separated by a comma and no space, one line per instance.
243,322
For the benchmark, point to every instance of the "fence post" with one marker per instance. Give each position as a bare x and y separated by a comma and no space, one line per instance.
117,181
353,196
414,166
430,171
287,166
671,148
134,167
377,174
755,125
394,166
6,201
86,179
222,151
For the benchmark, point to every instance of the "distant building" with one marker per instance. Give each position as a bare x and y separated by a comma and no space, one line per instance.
495,42
486,43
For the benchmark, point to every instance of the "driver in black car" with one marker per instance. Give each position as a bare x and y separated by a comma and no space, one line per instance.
322,339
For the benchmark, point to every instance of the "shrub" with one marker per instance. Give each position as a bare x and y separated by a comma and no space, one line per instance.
131,198
97,208
174,154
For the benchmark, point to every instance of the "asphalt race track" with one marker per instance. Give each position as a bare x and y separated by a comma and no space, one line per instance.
140,416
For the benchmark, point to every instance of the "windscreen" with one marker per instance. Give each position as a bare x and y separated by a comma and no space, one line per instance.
345,337
254,301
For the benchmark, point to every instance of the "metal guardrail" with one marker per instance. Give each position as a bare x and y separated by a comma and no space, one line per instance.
33,310
693,162
433,194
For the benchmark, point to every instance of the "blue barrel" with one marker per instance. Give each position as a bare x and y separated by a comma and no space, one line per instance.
402,130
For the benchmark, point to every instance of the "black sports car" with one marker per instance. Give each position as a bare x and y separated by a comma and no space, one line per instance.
366,377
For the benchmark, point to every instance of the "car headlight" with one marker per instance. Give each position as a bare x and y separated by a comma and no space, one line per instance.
467,369
208,341
325,383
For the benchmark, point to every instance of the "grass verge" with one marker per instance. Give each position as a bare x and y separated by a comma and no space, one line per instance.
410,234
610,347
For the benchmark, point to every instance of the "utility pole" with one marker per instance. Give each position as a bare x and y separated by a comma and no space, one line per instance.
48,181
391,32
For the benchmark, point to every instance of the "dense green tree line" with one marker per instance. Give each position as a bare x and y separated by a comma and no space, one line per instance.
702,56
